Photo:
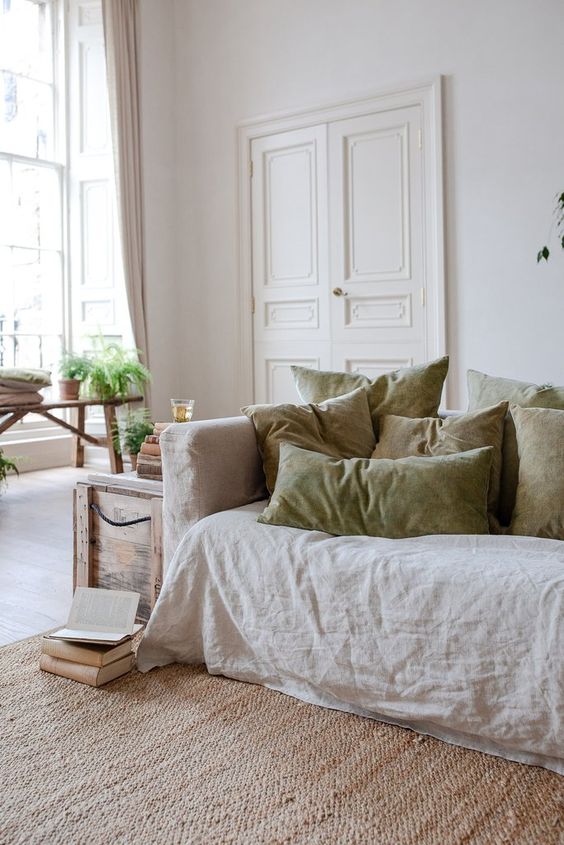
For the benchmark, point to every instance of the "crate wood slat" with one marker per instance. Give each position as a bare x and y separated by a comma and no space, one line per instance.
117,557
83,562
118,565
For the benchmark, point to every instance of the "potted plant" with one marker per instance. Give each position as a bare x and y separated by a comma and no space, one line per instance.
130,432
115,371
6,466
74,370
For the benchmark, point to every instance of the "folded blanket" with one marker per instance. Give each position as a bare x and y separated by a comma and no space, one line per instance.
30,397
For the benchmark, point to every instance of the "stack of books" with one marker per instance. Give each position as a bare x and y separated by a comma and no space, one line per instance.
96,645
88,663
149,461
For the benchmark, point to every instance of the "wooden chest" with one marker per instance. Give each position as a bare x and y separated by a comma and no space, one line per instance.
118,536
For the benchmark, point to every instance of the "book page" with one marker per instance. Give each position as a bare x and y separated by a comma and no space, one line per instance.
103,611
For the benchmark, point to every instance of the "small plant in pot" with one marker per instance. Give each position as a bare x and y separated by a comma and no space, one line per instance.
115,372
131,431
74,369
6,466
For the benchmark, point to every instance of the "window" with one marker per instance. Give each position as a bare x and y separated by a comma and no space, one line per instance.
61,280
31,188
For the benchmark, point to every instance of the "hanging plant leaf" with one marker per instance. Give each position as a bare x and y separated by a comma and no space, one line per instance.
544,253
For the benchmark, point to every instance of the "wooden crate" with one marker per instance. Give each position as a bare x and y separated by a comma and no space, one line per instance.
119,557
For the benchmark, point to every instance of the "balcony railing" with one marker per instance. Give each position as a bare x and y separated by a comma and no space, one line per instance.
26,349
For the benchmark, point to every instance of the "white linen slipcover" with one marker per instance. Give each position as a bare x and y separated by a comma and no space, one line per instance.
459,637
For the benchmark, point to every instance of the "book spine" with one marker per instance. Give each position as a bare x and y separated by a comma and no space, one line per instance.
150,449
152,438
67,651
69,669
149,459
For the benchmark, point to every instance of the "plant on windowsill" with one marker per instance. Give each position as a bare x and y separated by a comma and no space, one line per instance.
74,369
558,222
115,372
131,431
6,466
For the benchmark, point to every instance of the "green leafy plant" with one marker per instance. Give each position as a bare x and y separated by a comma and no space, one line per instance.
6,466
132,430
558,223
74,366
114,371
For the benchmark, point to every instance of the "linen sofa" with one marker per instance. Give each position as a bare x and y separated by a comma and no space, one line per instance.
459,637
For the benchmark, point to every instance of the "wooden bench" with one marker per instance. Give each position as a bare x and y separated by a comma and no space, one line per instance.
78,415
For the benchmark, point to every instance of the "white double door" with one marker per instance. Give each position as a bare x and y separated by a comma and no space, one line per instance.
338,249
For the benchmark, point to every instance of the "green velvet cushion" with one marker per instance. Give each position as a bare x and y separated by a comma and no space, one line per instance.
539,505
409,392
341,427
381,498
483,391
401,437
20,376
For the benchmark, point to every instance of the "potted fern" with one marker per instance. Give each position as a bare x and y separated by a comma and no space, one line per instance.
6,466
130,433
74,369
115,372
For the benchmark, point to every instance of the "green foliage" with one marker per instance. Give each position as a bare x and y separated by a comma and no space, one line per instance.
6,465
74,366
114,371
132,430
558,223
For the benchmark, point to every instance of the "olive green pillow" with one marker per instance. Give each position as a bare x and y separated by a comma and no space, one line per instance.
409,392
483,391
341,427
539,505
404,498
401,437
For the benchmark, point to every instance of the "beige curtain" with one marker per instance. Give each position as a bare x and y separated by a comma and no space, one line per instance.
120,25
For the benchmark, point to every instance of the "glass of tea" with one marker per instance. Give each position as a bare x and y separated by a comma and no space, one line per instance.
182,409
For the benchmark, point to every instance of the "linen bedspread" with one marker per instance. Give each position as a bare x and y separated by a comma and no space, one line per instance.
459,637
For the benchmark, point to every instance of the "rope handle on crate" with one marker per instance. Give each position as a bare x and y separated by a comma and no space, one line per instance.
107,519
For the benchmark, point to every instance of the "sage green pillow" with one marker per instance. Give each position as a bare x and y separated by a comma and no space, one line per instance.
21,378
401,437
409,392
384,498
539,505
341,427
483,391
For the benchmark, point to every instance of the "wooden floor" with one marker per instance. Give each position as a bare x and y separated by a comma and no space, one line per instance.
36,551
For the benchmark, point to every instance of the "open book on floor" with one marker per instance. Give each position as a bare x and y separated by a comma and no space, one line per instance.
100,616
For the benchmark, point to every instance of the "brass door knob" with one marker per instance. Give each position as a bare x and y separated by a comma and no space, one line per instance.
339,292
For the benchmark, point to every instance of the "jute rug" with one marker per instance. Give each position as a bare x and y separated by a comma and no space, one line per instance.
177,756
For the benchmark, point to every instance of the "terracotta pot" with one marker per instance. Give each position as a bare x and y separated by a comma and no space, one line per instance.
69,388
133,459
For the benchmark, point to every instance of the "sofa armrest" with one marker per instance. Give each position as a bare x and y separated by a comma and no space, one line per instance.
208,466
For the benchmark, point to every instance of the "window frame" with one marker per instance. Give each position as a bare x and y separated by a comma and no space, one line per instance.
58,164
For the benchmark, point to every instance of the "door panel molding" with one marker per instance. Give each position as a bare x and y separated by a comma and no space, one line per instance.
427,95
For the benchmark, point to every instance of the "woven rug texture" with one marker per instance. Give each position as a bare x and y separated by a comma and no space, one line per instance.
178,756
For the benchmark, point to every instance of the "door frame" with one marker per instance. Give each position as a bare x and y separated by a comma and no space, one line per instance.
428,95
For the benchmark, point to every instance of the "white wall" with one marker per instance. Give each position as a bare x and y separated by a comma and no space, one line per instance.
504,125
